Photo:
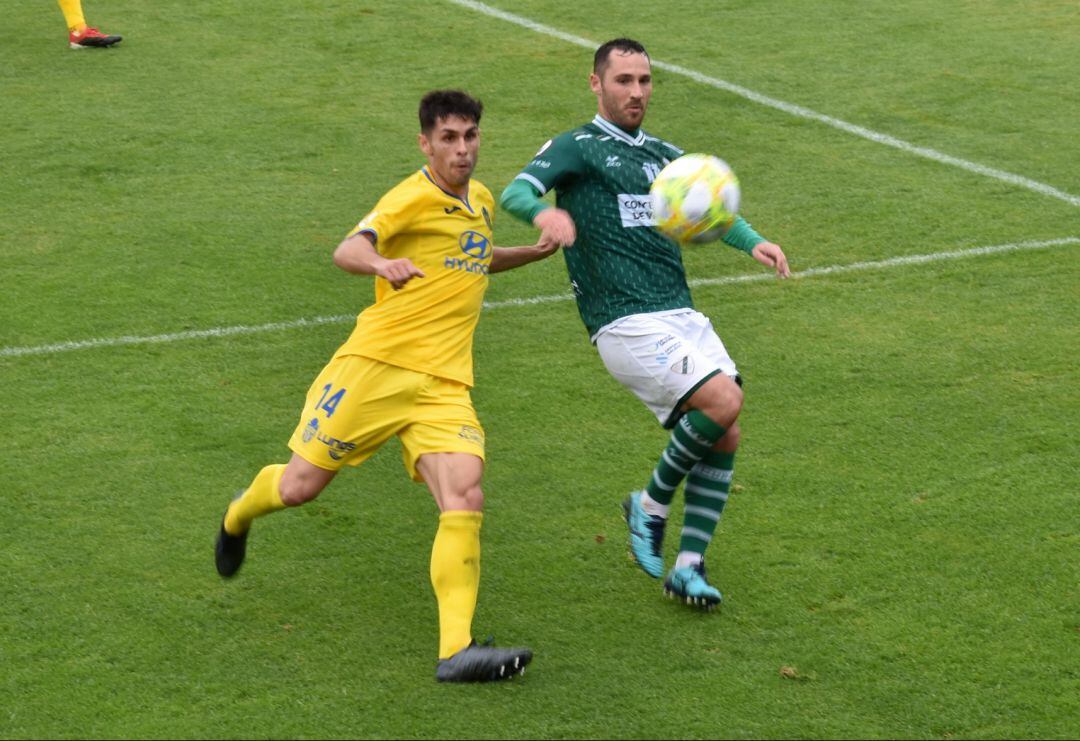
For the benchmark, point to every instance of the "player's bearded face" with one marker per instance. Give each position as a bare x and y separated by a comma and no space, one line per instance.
624,90
451,148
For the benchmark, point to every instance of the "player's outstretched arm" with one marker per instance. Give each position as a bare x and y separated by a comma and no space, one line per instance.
357,254
556,225
508,258
770,255
522,199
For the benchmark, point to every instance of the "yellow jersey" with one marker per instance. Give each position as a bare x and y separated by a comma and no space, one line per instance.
428,324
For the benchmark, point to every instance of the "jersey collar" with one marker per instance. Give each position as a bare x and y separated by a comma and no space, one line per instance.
635,139
464,200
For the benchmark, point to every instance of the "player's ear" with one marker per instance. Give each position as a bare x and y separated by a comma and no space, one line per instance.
424,144
594,83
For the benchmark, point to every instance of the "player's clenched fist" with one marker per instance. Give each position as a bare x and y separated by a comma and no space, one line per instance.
398,272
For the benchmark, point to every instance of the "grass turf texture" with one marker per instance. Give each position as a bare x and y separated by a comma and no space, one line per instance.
899,559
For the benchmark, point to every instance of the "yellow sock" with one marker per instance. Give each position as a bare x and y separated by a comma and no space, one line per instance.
455,575
73,14
261,498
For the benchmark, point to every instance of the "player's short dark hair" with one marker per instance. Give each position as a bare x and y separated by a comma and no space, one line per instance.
445,103
603,54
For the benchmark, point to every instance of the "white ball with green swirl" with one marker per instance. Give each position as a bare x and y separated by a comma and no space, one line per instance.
695,198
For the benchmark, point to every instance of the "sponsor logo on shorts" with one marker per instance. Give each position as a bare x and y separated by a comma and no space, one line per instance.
665,347
471,434
336,449
663,342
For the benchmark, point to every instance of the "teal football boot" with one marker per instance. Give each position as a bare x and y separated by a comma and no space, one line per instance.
646,535
689,585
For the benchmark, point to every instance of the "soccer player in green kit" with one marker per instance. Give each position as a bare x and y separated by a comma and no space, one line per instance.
632,294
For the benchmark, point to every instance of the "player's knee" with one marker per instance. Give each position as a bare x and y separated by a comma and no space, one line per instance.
470,498
722,401
729,443
474,498
295,491
733,397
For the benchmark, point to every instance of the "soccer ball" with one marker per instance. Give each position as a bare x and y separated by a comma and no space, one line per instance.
695,198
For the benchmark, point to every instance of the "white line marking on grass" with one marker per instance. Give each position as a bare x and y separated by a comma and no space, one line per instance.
791,108
196,334
894,261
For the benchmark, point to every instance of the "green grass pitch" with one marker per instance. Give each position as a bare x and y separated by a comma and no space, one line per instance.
901,558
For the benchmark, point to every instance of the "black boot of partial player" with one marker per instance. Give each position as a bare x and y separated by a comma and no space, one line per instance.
229,551
483,664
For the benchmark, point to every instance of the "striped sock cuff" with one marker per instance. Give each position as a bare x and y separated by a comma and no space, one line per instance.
704,426
690,441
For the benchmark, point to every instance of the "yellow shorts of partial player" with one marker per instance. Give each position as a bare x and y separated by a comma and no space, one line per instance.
356,404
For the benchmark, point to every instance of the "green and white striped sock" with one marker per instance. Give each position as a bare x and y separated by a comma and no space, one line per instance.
707,490
691,440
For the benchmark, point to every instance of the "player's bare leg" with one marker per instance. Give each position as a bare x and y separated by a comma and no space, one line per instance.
274,487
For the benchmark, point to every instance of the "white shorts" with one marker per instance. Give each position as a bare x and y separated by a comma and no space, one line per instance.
663,358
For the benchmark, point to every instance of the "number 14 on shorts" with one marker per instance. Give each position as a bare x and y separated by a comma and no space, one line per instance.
330,399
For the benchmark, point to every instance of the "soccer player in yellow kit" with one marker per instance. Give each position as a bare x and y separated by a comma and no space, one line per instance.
406,370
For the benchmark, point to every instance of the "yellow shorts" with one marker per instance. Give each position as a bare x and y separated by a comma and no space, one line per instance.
356,404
